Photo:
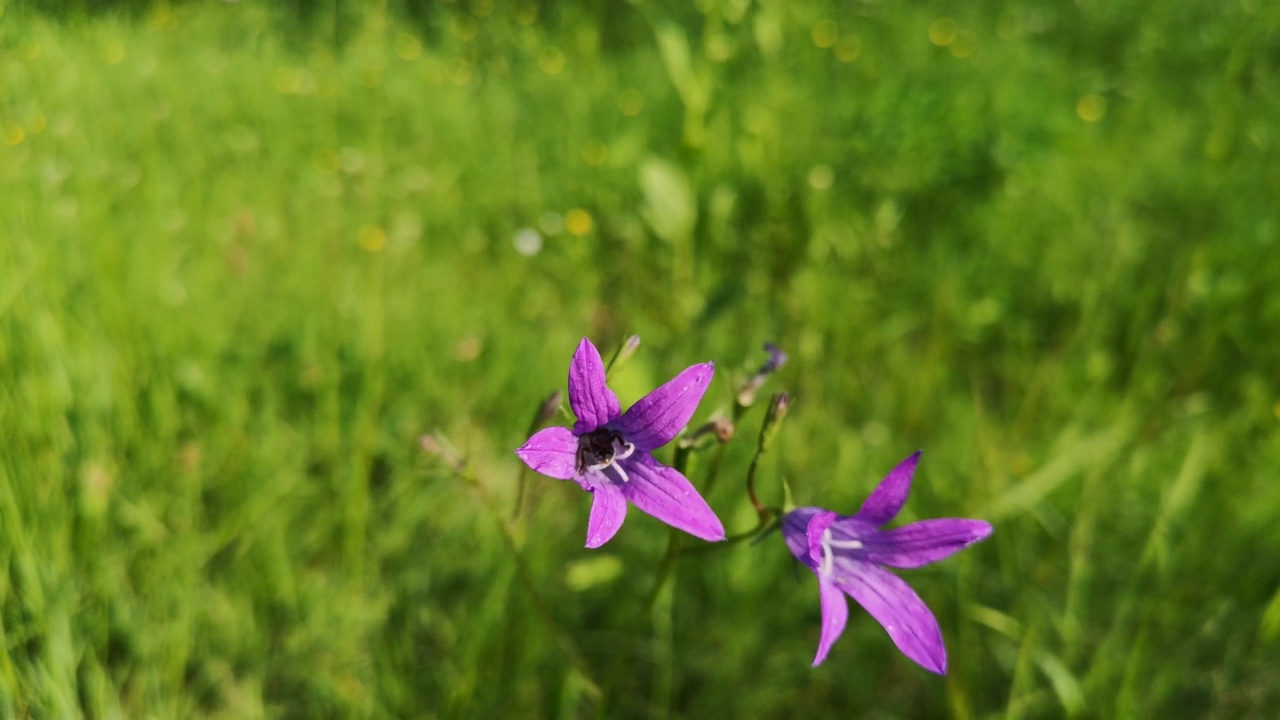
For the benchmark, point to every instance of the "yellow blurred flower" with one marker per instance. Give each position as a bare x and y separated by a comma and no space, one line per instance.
594,153
630,102
942,32
825,33
113,52
551,61
849,48
578,222
372,238
407,47
1091,107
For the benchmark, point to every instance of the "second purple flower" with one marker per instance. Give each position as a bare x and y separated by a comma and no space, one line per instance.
608,452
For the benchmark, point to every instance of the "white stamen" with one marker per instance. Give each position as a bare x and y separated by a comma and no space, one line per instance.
846,544
828,557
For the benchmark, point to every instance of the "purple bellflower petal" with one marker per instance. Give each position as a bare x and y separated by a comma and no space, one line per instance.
835,613
924,542
848,552
818,527
591,399
608,510
890,495
667,495
795,526
898,609
551,451
657,417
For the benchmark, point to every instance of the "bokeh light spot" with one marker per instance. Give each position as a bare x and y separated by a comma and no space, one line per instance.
286,80
719,47
528,242
464,28
407,47
942,32
328,161
594,153
527,14
551,223
630,102
849,48
825,33
578,222
963,45
162,18
822,177
1091,107
468,349
113,52
14,134
551,60
460,73
372,238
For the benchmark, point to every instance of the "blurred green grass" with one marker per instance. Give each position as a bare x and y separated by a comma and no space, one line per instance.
248,257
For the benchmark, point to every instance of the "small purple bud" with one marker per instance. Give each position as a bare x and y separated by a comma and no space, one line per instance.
777,358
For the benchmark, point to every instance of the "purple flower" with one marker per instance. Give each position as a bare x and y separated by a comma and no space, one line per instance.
848,552
608,452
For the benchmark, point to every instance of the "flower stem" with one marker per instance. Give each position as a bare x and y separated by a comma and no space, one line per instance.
438,445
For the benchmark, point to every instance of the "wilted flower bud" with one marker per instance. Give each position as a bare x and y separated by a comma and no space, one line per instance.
624,352
549,407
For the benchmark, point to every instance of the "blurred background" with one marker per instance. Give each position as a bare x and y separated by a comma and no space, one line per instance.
250,253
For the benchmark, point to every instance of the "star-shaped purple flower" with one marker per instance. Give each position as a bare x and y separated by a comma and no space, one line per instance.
847,553
608,452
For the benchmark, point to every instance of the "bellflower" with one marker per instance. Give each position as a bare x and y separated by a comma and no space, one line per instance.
608,452
849,554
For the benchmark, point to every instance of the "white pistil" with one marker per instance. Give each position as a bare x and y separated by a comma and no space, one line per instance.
828,557
628,449
617,467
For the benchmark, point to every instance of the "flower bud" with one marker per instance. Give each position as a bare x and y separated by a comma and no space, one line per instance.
779,406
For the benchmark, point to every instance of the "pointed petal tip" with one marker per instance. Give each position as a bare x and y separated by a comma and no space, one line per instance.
716,535
983,530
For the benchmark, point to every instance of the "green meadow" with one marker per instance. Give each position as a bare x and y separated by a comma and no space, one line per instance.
251,254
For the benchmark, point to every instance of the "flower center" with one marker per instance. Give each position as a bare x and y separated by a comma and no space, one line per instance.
599,449
830,545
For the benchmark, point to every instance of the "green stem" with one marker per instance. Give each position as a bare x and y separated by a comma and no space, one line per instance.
540,606
546,410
